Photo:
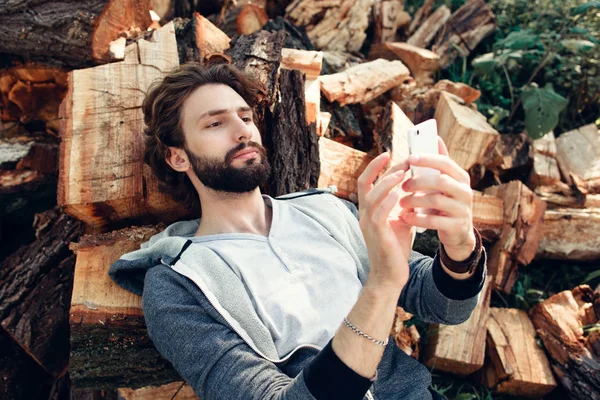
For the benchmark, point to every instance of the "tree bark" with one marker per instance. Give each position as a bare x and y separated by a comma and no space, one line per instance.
68,33
574,354
293,143
35,288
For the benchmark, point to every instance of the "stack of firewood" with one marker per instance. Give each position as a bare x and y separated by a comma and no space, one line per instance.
326,110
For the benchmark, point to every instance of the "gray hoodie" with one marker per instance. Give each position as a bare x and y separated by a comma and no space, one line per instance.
201,319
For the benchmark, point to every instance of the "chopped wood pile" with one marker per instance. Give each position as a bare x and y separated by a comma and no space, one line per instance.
343,81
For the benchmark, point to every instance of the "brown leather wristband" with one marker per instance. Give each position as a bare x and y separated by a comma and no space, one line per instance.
465,266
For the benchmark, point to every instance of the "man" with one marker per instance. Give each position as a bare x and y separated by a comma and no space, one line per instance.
292,297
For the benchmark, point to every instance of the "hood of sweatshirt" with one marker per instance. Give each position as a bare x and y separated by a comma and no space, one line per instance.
167,246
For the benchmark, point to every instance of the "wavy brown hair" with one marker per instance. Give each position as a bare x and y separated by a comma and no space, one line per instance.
162,116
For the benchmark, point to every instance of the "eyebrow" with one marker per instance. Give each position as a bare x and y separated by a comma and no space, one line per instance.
221,111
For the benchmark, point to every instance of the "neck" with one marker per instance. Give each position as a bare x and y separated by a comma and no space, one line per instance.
224,212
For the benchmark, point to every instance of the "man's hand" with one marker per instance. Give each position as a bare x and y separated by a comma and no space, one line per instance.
388,239
452,206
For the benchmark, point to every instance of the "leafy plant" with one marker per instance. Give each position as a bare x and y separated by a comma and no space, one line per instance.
540,70
542,107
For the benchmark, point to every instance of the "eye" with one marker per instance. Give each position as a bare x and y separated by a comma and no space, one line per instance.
247,119
214,124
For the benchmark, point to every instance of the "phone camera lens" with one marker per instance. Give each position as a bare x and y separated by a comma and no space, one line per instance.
417,131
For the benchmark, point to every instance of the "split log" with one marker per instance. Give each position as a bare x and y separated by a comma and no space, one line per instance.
545,168
209,39
513,158
295,37
341,166
462,90
517,365
463,31
430,27
521,234
169,391
32,93
68,33
323,123
363,82
488,215
568,233
102,178
561,195
422,63
407,339
241,17
292,143
421,15
546,144
28,178
469,137
573,357
259,57
578,152
308,62
312,99
460,349
338,61
332,25
391,134
107,322
388,17
251,19
345,124
22,378
420,102
35,288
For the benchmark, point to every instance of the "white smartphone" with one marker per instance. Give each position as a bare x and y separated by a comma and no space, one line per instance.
423,139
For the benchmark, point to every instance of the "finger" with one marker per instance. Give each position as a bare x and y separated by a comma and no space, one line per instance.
435,222
382,188
365,181
440,183
442,163
382,212
400,166
442,149
436,201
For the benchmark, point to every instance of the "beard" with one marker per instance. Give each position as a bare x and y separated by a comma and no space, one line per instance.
221,175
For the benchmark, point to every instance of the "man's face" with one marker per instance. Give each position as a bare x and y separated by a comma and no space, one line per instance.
219,128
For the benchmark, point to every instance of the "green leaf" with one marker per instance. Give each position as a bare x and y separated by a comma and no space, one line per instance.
519,40
579,30
591,276
497,115
465,396
485,64
542,107
576,45
580,9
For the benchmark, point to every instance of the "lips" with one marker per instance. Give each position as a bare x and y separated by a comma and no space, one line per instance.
242,153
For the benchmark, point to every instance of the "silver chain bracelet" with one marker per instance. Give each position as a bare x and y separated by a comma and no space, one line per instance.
361,333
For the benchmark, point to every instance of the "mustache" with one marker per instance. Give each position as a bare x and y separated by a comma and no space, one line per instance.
231,153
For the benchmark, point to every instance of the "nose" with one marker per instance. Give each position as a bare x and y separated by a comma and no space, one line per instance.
242,130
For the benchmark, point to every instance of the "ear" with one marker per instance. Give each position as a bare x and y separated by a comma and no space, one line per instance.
178,159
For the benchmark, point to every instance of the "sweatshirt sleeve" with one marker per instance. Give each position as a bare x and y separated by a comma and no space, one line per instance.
219,364
436,297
